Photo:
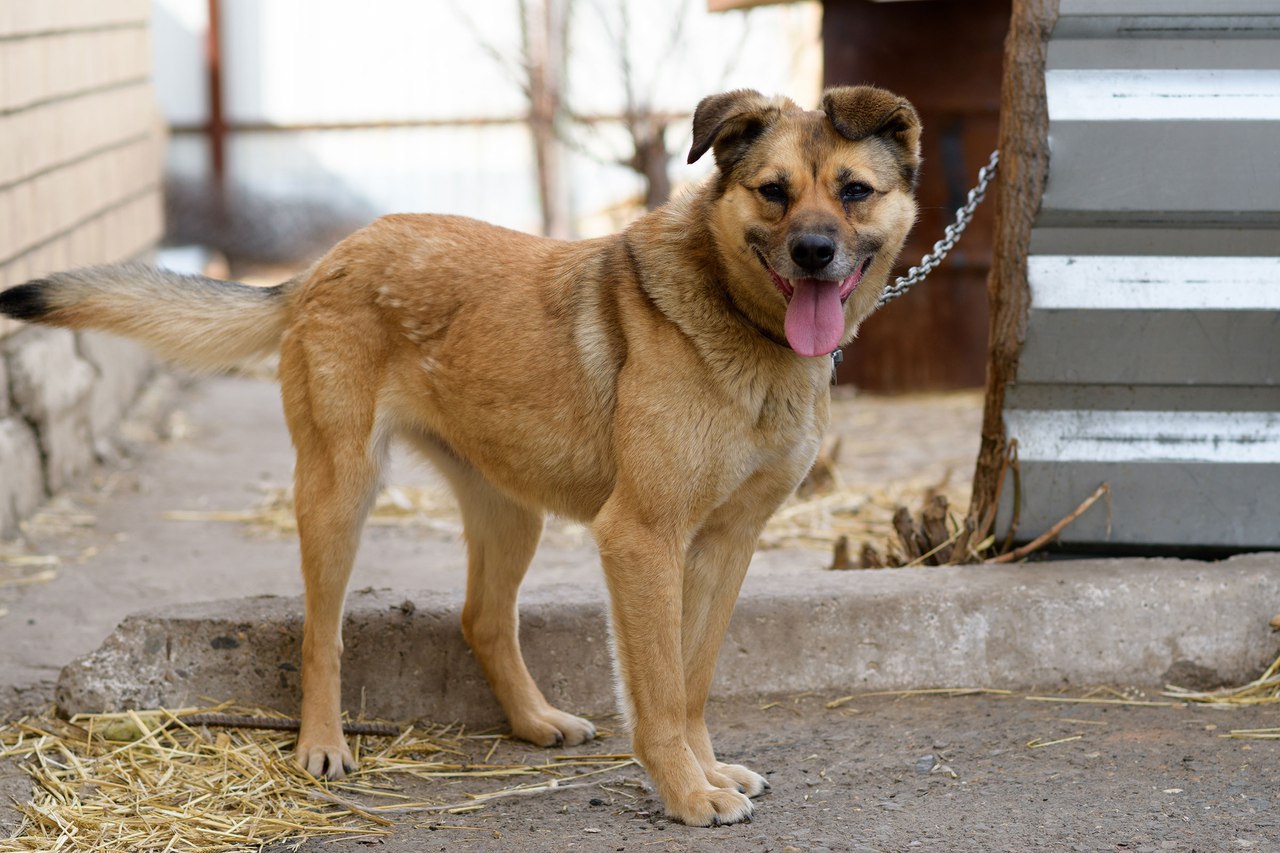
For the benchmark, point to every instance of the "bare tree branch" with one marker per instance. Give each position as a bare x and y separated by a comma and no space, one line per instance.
516,73
546,31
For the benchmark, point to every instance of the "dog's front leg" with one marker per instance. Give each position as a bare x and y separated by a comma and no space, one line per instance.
715,568
643,567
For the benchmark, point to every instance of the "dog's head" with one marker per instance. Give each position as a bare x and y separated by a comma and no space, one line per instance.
810,209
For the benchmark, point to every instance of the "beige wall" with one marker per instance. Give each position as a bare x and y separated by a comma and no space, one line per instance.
80,137
80,155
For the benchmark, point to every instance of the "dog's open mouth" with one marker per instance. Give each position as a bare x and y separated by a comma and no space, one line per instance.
815,308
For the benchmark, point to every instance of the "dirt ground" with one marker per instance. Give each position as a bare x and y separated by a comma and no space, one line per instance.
901,773
885,773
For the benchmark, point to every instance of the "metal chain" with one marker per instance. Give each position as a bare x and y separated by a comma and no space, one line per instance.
950,236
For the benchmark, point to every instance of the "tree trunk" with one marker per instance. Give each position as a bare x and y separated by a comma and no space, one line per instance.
1024,166
651,159
543,29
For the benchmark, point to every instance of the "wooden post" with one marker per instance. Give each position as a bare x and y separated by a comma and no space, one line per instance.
217,125
1024,166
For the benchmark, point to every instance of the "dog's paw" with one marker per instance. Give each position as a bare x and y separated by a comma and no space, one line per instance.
325,760
711,807
553,728
737,777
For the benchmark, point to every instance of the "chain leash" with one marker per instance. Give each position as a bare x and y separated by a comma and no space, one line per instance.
950,236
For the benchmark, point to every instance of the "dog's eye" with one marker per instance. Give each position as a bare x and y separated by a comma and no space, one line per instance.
772,192
855,191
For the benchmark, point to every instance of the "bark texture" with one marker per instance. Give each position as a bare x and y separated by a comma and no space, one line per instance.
1024,167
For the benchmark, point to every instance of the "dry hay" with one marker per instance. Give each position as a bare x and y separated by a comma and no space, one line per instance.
935,536
431,507
824,514
816,521
395,506
827,514
1263,690
21,569
146,780
858,512
60,516
1105,695
815,518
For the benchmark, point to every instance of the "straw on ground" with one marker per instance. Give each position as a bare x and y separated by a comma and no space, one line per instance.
149,781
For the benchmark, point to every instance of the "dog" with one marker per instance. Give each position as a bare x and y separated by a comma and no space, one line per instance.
669,384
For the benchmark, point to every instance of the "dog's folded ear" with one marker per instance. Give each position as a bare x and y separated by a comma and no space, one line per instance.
729,122
862,112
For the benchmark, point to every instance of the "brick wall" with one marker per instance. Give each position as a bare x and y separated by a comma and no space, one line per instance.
80,158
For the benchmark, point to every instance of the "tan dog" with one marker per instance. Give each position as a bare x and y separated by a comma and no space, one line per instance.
669,384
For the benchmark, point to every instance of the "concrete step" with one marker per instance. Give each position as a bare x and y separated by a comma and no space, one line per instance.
1047,625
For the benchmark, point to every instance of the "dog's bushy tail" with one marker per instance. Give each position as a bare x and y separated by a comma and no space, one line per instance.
200,322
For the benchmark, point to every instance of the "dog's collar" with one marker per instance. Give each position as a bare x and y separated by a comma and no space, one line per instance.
837,354
765,333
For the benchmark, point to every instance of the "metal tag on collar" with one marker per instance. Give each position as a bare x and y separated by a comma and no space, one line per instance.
837,358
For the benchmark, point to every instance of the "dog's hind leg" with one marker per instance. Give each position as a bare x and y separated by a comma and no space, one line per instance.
330,406
502,536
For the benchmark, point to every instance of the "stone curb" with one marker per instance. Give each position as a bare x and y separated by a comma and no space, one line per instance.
1048,625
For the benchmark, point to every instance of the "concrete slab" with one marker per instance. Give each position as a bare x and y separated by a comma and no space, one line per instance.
1048,625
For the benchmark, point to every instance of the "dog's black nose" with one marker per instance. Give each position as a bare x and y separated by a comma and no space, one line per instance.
812,252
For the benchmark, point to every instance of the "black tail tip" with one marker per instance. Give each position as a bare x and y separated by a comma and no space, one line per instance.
26,301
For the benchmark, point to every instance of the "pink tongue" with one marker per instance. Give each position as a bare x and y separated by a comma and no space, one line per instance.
815,317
